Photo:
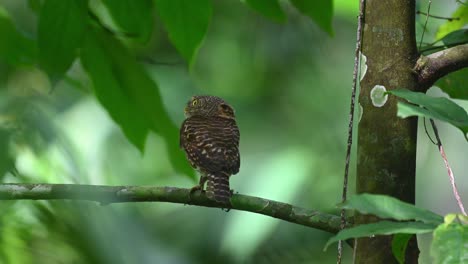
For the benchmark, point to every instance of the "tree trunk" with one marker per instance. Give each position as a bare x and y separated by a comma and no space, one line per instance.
386,143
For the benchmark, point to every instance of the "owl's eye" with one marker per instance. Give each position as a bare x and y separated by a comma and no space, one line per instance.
194,102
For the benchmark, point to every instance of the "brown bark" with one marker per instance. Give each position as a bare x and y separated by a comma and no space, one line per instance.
432,67
386,143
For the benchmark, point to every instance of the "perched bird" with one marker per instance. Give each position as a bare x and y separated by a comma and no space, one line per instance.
210,137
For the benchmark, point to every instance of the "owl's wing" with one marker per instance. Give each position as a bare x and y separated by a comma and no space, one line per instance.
234,163
211,144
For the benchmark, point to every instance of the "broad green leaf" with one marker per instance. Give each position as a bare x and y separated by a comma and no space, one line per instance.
463,219
15,49
455,84
381,228
448,219
405,110
321,12
110,92
186,22
130,96
268,8
450,243
135,18
456,38
432,107
61,29
399,244
385,206
450,26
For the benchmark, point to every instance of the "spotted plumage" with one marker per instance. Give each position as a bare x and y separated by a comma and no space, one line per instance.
210,137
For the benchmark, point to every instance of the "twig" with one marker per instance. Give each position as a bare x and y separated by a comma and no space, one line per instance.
351,121
427,132
123,194
425,23
449,169
431,47
439,17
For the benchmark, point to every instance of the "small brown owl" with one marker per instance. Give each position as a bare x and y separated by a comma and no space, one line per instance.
210,137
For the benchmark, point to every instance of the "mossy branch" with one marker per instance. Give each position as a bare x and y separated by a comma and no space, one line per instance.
124,194
432,67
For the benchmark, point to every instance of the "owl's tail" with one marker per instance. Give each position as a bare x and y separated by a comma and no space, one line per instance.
218,187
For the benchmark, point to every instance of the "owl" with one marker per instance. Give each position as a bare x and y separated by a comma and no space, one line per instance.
210,137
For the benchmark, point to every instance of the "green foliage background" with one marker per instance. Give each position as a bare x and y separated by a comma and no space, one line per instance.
288,80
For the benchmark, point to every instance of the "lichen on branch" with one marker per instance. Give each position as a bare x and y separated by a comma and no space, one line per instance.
432,67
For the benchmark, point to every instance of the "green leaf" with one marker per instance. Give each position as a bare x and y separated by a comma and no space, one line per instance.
61,29
15,49
381,228
450,26
450,243
456,38
268,8
321,12
399,244
186,22
385,206
406,110
130,96
455,84
110,92
434,107
135,18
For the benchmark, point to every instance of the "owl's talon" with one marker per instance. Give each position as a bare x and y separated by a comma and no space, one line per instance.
193,190
196,188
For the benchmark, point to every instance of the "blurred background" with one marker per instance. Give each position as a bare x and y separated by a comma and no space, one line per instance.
290,85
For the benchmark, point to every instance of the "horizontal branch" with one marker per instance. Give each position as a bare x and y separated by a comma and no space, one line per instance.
436,65
122,194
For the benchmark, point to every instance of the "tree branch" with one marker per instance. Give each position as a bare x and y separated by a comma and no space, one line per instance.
122,194
436,65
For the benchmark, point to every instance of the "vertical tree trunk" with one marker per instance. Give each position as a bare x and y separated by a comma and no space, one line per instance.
386,143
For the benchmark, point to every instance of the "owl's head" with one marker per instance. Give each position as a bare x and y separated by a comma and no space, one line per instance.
207,105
